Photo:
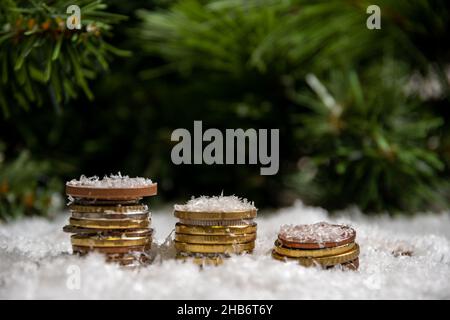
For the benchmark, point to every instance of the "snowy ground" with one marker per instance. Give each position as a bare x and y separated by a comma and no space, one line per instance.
35,264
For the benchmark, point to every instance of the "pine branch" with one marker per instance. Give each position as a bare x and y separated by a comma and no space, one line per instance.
38,51
376,148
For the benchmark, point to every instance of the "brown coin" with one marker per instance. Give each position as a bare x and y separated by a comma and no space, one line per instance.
208,216
316,236
111,193
131,249
312,253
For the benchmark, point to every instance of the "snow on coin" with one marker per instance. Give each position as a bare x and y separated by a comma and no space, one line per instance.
317,235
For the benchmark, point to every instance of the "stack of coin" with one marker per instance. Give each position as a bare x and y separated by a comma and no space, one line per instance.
109,218
207,234
323,244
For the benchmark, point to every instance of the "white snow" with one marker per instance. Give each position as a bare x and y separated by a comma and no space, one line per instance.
320,232
112,181
216,204
401,257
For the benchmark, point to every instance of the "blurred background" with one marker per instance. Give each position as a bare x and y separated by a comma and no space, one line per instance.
363,114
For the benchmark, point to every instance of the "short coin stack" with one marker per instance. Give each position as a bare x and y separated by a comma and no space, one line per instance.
323,244
212,228
108,217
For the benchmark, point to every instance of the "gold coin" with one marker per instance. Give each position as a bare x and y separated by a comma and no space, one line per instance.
215,230
103,215
215,239
107,232
214,248
218,223
126,259
230,215
109,209
323,261
312,253
82,250
201,261
109,241
109,223
107,203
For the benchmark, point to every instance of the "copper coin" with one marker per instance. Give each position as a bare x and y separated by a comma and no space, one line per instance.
111,193
131,249
316,236
211,215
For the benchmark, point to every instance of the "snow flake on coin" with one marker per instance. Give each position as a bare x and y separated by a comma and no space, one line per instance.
112,181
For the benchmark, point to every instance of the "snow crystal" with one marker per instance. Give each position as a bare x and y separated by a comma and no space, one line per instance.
112,181
35,263
216,204
320,232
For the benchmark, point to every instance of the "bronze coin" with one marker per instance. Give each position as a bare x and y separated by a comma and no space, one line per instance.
209,216
111,193
316,236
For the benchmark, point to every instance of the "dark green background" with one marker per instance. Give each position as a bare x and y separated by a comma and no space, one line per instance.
387,151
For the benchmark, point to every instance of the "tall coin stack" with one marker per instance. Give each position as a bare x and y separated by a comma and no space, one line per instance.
323,244
108,217
211,229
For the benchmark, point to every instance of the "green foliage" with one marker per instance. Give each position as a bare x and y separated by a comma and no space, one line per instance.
366,135
251,59
26,189
369,147
41,58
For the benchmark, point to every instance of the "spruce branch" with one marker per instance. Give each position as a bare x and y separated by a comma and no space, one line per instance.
38,51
